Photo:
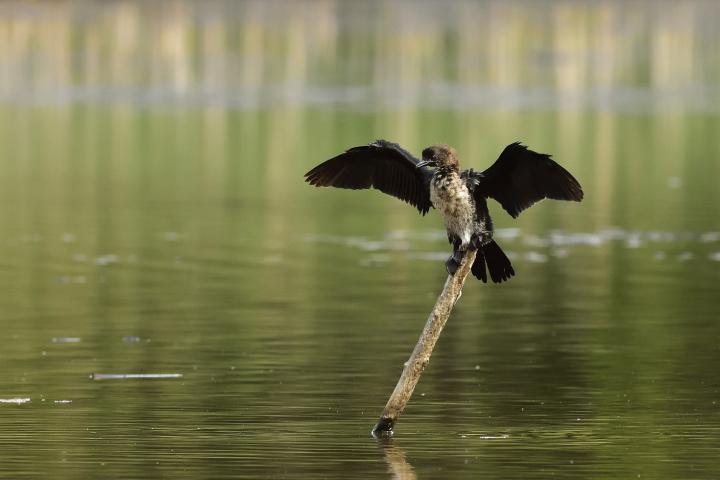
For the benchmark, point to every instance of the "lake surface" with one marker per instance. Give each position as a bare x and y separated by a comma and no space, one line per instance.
154,225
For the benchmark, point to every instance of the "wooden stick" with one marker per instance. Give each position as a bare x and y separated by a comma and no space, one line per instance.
421,355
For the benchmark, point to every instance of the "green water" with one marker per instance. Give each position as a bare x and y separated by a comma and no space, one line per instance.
153,220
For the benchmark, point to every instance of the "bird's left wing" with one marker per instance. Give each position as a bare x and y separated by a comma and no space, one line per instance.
521,177
383,165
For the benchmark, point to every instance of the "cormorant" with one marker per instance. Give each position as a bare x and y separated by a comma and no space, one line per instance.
519,178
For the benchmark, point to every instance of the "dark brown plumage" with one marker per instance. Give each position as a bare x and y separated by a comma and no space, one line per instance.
519,178
383,165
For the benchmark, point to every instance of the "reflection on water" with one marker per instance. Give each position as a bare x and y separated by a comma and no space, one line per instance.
254,54
398,466
126,376
553,243
155,222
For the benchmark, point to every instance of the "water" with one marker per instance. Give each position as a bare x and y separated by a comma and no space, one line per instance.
155,227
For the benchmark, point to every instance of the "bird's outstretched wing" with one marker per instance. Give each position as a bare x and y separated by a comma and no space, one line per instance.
520,177
383,165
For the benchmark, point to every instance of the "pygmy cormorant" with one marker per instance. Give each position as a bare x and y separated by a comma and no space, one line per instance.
519,178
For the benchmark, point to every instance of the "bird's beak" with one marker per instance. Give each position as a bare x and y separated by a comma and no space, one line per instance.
424,163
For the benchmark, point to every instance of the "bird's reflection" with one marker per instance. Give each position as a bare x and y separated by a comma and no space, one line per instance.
398,466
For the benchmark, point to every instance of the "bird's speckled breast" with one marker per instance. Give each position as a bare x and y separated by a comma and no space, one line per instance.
450,196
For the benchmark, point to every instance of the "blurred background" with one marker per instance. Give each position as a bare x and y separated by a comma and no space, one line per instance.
154,220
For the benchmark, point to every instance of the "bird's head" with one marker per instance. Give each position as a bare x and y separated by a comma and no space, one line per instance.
439,156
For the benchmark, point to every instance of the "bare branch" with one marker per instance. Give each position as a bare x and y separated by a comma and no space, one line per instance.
421,355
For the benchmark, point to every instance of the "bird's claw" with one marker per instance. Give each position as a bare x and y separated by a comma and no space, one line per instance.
453,263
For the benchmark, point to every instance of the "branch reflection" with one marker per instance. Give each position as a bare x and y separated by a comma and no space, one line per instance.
398,466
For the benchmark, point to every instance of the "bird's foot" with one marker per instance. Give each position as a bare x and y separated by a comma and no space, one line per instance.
453,263
480,239
475,242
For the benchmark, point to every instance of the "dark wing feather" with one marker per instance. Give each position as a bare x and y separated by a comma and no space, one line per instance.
383,165
520,177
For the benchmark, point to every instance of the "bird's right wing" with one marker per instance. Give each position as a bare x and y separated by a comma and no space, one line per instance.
383,165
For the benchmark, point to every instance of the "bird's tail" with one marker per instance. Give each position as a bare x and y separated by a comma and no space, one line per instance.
497,263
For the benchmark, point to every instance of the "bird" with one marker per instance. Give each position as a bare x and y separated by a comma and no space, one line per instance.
519,178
